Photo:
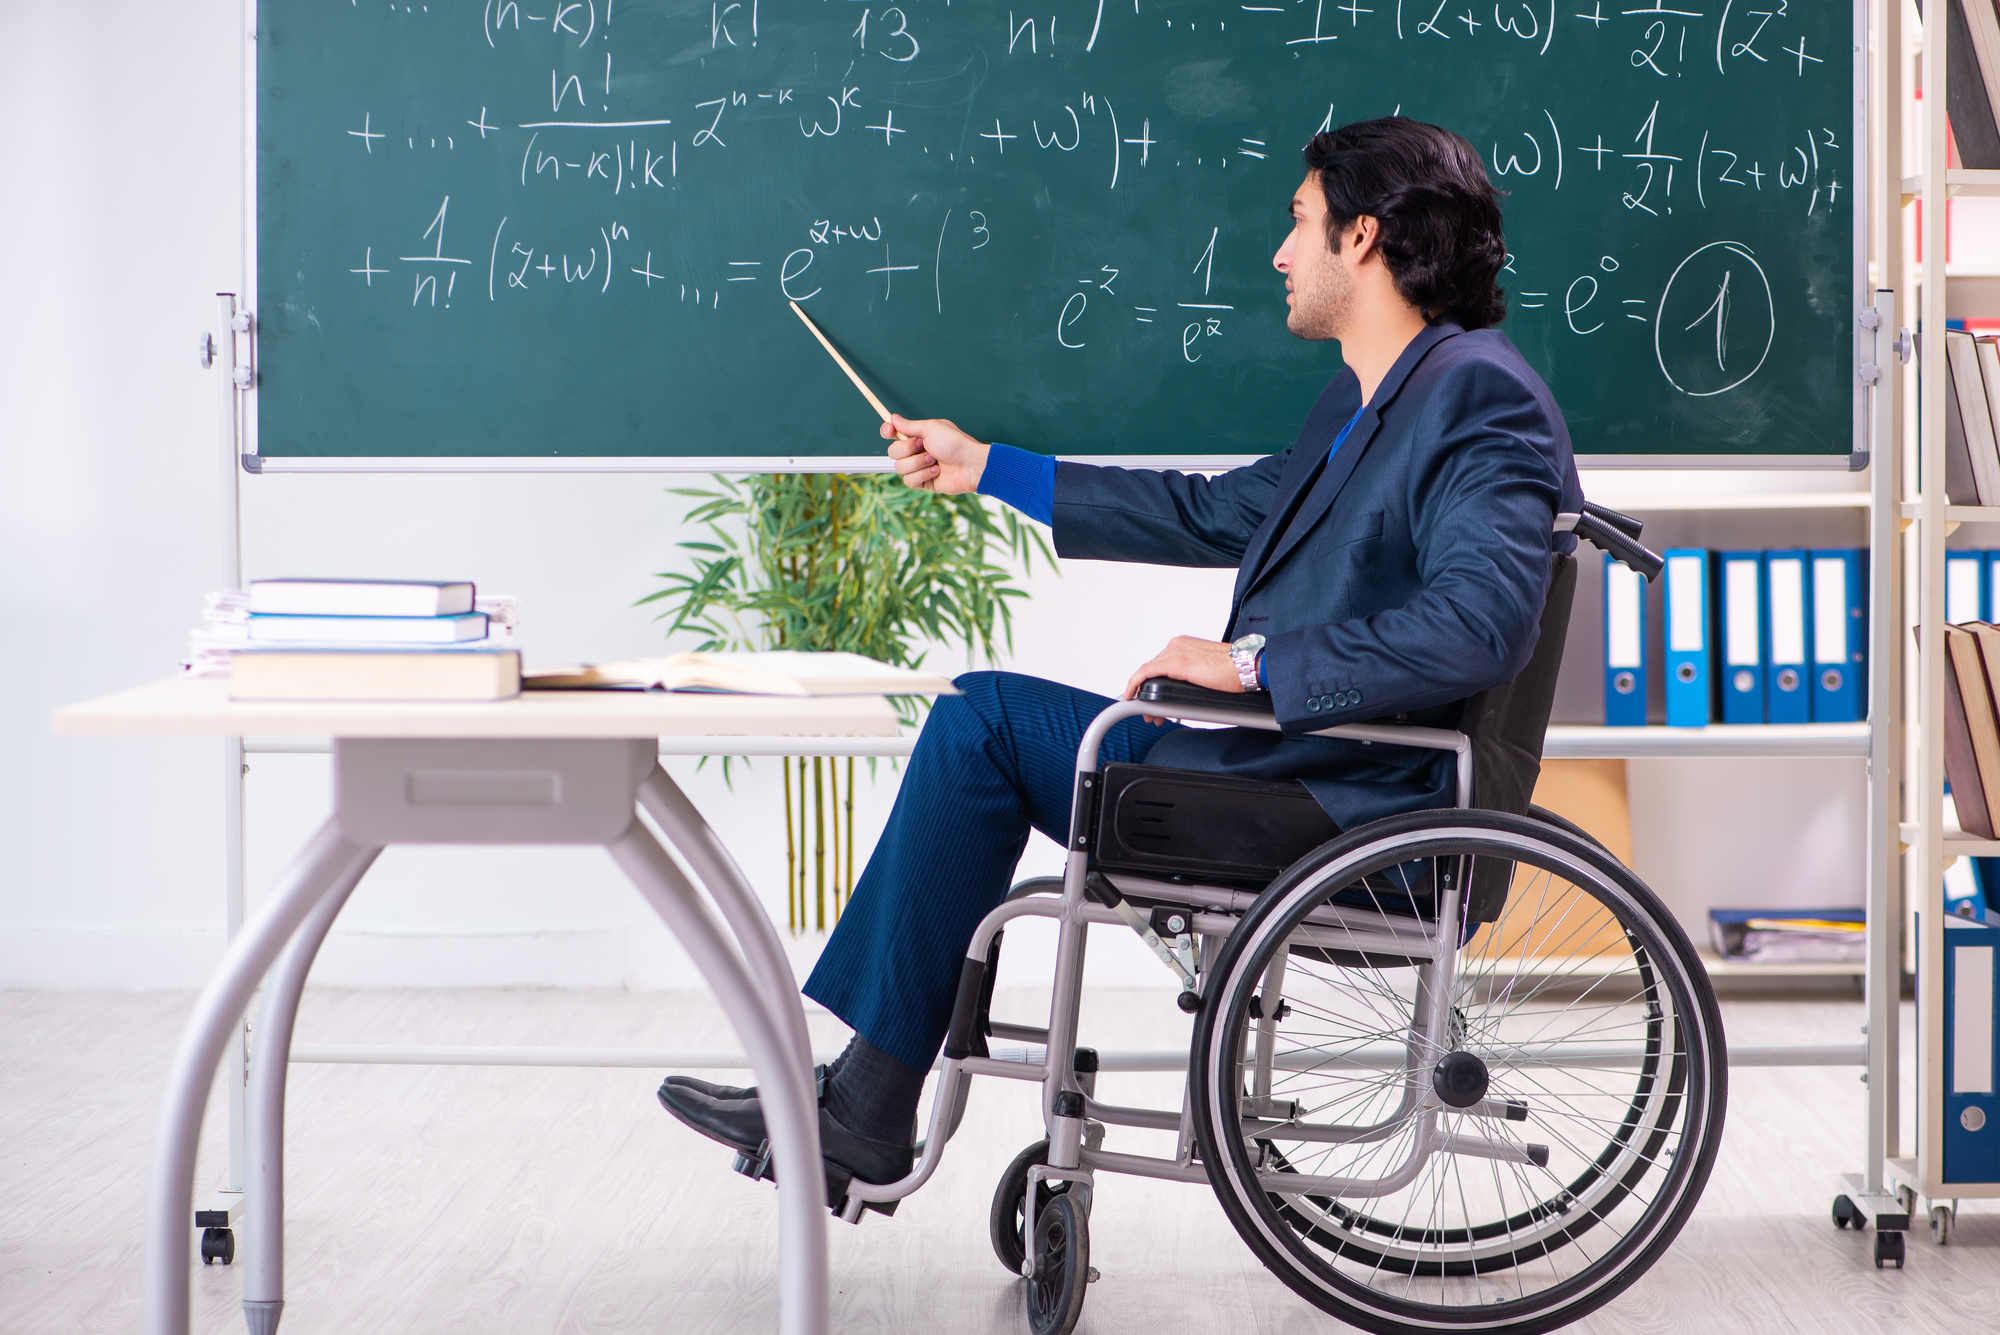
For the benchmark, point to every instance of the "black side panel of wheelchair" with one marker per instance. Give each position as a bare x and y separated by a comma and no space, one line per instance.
1507,724
1222,829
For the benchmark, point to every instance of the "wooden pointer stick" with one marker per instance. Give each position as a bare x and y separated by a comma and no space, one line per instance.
841,361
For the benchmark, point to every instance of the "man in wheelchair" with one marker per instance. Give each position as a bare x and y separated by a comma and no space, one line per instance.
1391,564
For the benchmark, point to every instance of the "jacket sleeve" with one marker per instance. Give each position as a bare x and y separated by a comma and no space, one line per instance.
1483,500
1165,518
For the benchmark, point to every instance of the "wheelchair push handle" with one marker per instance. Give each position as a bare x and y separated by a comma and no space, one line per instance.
1612,532
1628,525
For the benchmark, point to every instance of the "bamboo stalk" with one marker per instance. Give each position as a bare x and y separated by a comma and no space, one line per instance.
805,920
791,858
819,849
850,827
833,794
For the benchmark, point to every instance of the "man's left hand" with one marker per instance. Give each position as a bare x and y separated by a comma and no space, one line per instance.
1203,662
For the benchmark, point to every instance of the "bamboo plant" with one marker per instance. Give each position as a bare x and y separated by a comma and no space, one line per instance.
855,562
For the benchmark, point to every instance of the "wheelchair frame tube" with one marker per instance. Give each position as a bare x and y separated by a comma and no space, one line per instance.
1074,912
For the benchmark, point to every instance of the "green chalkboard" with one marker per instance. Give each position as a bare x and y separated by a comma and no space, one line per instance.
544,229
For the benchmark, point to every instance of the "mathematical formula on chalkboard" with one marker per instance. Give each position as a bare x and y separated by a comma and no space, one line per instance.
555,227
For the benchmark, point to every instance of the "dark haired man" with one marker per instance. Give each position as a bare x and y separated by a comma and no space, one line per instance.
1393,562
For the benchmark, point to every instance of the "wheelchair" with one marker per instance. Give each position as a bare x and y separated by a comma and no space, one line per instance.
1453,1070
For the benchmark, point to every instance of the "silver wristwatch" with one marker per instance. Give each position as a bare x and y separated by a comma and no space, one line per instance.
1245,653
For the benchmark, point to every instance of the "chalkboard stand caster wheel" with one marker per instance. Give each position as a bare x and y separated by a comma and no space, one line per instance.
1844,1213
1942,1219
1060,1270
1888,1250
218,1244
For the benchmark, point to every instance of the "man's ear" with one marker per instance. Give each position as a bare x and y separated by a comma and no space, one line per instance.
1364,235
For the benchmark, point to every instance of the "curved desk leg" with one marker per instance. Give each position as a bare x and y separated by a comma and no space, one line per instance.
791,1115
170,1194
716,870
264,1198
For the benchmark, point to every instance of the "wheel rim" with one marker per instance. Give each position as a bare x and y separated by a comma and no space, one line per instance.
1049,1290
1468,1242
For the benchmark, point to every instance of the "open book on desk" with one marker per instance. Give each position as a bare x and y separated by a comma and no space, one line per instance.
774,672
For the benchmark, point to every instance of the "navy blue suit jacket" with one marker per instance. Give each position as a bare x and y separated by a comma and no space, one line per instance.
1393,582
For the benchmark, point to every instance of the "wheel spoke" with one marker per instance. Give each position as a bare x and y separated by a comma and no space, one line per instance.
1577,1000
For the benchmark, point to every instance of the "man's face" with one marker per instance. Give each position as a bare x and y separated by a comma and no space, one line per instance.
1319,289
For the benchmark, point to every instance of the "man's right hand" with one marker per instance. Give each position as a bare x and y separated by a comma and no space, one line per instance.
935,455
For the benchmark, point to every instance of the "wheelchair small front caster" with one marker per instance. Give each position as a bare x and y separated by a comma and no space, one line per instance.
218,1244
1844,1213
1061,1269
1888,1249
1010,1222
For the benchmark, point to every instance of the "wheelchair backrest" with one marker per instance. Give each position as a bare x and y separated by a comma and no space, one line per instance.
1507,724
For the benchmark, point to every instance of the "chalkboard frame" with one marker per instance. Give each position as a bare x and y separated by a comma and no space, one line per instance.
1855,460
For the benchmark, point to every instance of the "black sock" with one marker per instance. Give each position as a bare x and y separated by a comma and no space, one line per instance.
874,1095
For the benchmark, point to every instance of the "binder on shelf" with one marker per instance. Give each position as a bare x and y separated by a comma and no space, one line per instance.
1971,1108
1690,691
1964,584
1624,645
1787,590
1990,563
1839,635
1740,597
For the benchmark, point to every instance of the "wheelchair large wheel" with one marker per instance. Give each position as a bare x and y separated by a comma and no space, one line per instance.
1506,1156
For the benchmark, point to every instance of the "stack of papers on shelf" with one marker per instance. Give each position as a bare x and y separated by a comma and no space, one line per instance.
1789,936
359,640
775,672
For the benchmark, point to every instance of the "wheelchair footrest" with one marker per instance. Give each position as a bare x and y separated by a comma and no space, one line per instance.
757,1166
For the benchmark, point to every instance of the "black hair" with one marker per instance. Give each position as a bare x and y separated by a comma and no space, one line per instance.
1439,213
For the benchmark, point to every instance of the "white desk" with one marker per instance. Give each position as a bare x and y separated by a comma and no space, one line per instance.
553,767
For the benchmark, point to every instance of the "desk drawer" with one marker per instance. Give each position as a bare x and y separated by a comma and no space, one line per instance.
488,791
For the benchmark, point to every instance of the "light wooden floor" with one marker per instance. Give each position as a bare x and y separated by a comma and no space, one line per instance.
518,1200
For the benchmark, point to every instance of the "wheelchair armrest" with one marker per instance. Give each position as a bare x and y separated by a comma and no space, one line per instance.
1167,691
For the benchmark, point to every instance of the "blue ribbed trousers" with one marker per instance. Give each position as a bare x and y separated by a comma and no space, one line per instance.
990,765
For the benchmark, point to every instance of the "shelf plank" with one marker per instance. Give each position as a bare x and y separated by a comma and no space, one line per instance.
1903,1172
1793,500
1719,967
1957,843
1818,741
1957,181
1954,515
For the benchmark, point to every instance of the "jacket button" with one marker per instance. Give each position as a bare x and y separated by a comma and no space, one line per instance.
1326,702
1340,699
1354,697
1313,704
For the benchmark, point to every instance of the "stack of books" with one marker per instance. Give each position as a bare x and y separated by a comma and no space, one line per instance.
1789,936
1972,410
325,639
1972,724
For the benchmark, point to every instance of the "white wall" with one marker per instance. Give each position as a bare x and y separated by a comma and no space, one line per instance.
122,223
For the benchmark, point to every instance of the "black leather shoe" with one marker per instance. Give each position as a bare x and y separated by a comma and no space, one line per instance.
708,1089
730,1093
739,1124
847,1157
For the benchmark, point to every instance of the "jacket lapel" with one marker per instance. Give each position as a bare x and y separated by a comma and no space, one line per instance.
1303,468
1320,499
